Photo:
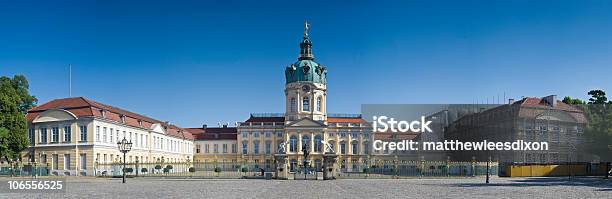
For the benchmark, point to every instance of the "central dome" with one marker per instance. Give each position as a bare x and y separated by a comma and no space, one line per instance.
306,70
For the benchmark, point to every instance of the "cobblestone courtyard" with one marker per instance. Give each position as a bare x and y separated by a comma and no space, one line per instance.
345,188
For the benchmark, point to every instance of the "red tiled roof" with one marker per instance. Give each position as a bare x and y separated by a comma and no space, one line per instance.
345,120
266,119
226,133
83,107
532,102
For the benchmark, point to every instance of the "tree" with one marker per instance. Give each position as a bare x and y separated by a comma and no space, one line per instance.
15,101
598,131
572,101
598,97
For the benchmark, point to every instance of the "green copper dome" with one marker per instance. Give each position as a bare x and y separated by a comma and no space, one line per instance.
306,69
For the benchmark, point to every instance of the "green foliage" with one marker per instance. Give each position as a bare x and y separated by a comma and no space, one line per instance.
366,170
572,101
191,169
144,170
598,131
244,169
158,167
169,166
217,169
129,170
15,101
598,97
166,170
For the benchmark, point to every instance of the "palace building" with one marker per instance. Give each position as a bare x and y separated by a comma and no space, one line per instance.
72,135
305,123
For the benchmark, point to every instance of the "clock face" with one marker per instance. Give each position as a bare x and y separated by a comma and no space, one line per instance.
306,88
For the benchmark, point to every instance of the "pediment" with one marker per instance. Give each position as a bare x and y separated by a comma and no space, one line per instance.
158,128
54,115
306,122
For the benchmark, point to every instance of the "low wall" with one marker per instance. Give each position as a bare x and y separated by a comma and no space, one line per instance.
550,170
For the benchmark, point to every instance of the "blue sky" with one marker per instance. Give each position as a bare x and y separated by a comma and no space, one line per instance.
217,61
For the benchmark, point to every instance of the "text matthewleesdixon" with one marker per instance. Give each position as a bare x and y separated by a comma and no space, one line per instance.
384,124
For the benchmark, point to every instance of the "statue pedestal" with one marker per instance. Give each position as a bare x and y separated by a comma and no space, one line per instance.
329,166
281,166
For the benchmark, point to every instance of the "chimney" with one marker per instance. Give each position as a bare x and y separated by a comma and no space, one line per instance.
204,126
551,100
511,101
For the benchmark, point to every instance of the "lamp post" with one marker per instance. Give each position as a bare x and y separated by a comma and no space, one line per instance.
124,146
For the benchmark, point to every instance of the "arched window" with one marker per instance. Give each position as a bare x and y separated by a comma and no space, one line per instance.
305,141
293,143
306,104
318,146
342,147
292,105
319,104
354,147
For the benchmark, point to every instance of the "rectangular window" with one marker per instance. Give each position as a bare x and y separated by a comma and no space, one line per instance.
142,141
354,134
256,134
342,134
83,130
67,134
244,148
216,148
233,148
104,135
43,135
256,148
97,133
268,147
136,140
245,134
206,149
66,161
279,134
112,136
55,161
268,134
197,148
224,148
31,136
54,134
83,161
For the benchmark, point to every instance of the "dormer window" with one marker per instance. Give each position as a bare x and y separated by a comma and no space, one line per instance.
103,113
140,122
123,119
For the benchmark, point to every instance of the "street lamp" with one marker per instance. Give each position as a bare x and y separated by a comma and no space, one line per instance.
124,146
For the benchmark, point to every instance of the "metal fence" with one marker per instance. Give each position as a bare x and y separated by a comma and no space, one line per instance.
27,170
407,169
185,169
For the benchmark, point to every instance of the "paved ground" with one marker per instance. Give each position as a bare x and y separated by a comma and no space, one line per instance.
346,188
